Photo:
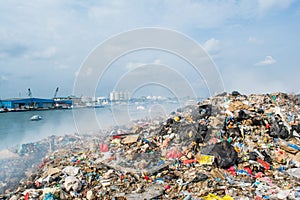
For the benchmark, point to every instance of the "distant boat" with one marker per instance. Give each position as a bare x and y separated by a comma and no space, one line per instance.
35,118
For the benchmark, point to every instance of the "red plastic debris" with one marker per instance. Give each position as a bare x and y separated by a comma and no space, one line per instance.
186,162
248,169
167,187
259,175
104,148
213,141
26,196
116,137
266,165
258,198
231,170
173,153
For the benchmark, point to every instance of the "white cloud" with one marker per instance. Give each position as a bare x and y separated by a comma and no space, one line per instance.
100,11
44,54
266,5
254,40
3,55
3,78
84,72
269,60
133,65
61,66
212,45
157,61
199,15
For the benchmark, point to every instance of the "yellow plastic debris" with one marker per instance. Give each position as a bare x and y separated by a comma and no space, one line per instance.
205,159
177,118
190,134
215,197
227,197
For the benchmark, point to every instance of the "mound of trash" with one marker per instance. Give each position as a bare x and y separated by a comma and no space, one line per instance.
230,146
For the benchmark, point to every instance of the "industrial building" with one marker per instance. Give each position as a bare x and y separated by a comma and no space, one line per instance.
26,103
62,102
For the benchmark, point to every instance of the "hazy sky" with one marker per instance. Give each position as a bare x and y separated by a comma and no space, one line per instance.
254,44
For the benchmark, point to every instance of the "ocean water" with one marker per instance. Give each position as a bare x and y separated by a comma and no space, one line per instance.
17,128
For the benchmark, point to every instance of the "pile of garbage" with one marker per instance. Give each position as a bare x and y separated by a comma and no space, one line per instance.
230,146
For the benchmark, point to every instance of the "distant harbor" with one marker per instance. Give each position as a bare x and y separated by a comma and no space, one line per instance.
59,103
72,102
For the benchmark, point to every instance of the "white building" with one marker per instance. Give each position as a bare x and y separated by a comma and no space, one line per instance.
102,100
119,96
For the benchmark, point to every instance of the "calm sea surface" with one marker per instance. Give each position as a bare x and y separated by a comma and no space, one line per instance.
16,127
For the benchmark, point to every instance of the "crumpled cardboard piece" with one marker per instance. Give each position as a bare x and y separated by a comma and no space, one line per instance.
288,149
130,139
280,156
238,105
218,173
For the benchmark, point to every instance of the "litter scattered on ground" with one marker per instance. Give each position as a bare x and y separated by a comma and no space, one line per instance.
230,146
